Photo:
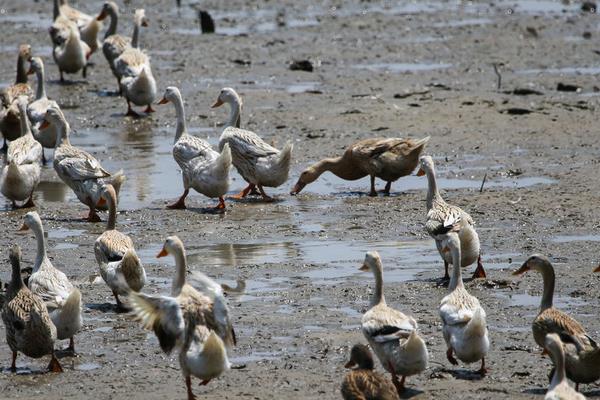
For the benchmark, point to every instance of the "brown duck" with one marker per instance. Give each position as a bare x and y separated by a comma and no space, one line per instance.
363,383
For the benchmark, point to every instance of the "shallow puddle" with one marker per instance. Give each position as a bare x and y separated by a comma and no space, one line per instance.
402,67
531,302
576,238
561,71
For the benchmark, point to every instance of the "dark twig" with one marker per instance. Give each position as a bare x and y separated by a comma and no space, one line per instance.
499,77
483,183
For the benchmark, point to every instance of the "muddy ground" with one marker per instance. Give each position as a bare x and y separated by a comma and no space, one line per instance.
381,69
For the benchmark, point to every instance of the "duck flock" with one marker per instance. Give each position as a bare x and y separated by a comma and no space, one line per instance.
194,318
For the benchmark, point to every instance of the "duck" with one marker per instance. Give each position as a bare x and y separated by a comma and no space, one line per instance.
463,319
21,174
88,26
202,168
29,329
114,44
186,321
363,382
71,55
439,211
392,335
62,299
120,267
586,353
136,80
559,388
385,158
10,124
259,163
36,110
78,168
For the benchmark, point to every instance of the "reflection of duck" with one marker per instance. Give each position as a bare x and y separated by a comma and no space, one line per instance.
364,382
438,211
387,159
392,335
586,353
259,163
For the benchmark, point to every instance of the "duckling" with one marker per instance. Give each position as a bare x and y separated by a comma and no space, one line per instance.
463,318
559,388
10,124
79,169
120,267
21,175
439,211
392,335
62,299
387,159
363,382
257,162
29,329
202,168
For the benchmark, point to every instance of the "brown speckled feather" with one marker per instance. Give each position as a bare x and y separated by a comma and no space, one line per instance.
112,245
552,320
367,385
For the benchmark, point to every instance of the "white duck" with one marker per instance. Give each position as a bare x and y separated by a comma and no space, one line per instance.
257,162
188,320
9,112
114,44
120,267
62,299
137,82
439,211
463,318
36,110
79,169
88,26
202,168
392,334
21,174
71,55
559,388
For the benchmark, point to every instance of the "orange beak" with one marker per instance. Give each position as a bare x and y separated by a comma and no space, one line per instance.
101,202
364,268
350,364
163,101
44,124
597,269
217,103
163,253
101,16
297,188
23,228
420,172
524,268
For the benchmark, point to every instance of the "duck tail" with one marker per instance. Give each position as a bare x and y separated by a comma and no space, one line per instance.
116,180
421,143
477,325
285,157
224,160
132,266
71,310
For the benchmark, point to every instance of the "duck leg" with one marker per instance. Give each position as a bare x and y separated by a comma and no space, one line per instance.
130,112
265,196
93,216
13,365
30,202
188,384
205,382
44,160
71,347
180,204
399,385
479,271
450,357
4,146
244,192
483,370
84,72
62,78
387,189
373,192
54,365
221,205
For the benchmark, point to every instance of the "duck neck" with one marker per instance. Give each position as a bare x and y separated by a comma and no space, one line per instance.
41,86
433,193
456,279
559,366
135,37
112,211
21,69
180,112
63,134
337,166
38,231
112,27
235,109
16,280
181,268
548,295
378,297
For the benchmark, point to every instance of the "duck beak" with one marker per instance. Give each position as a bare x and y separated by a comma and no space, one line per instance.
349,364
420,172
23,228
101,16
163,101
44,124
163,253
217,103
597,269
524,268
145,23
297,188
364,268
